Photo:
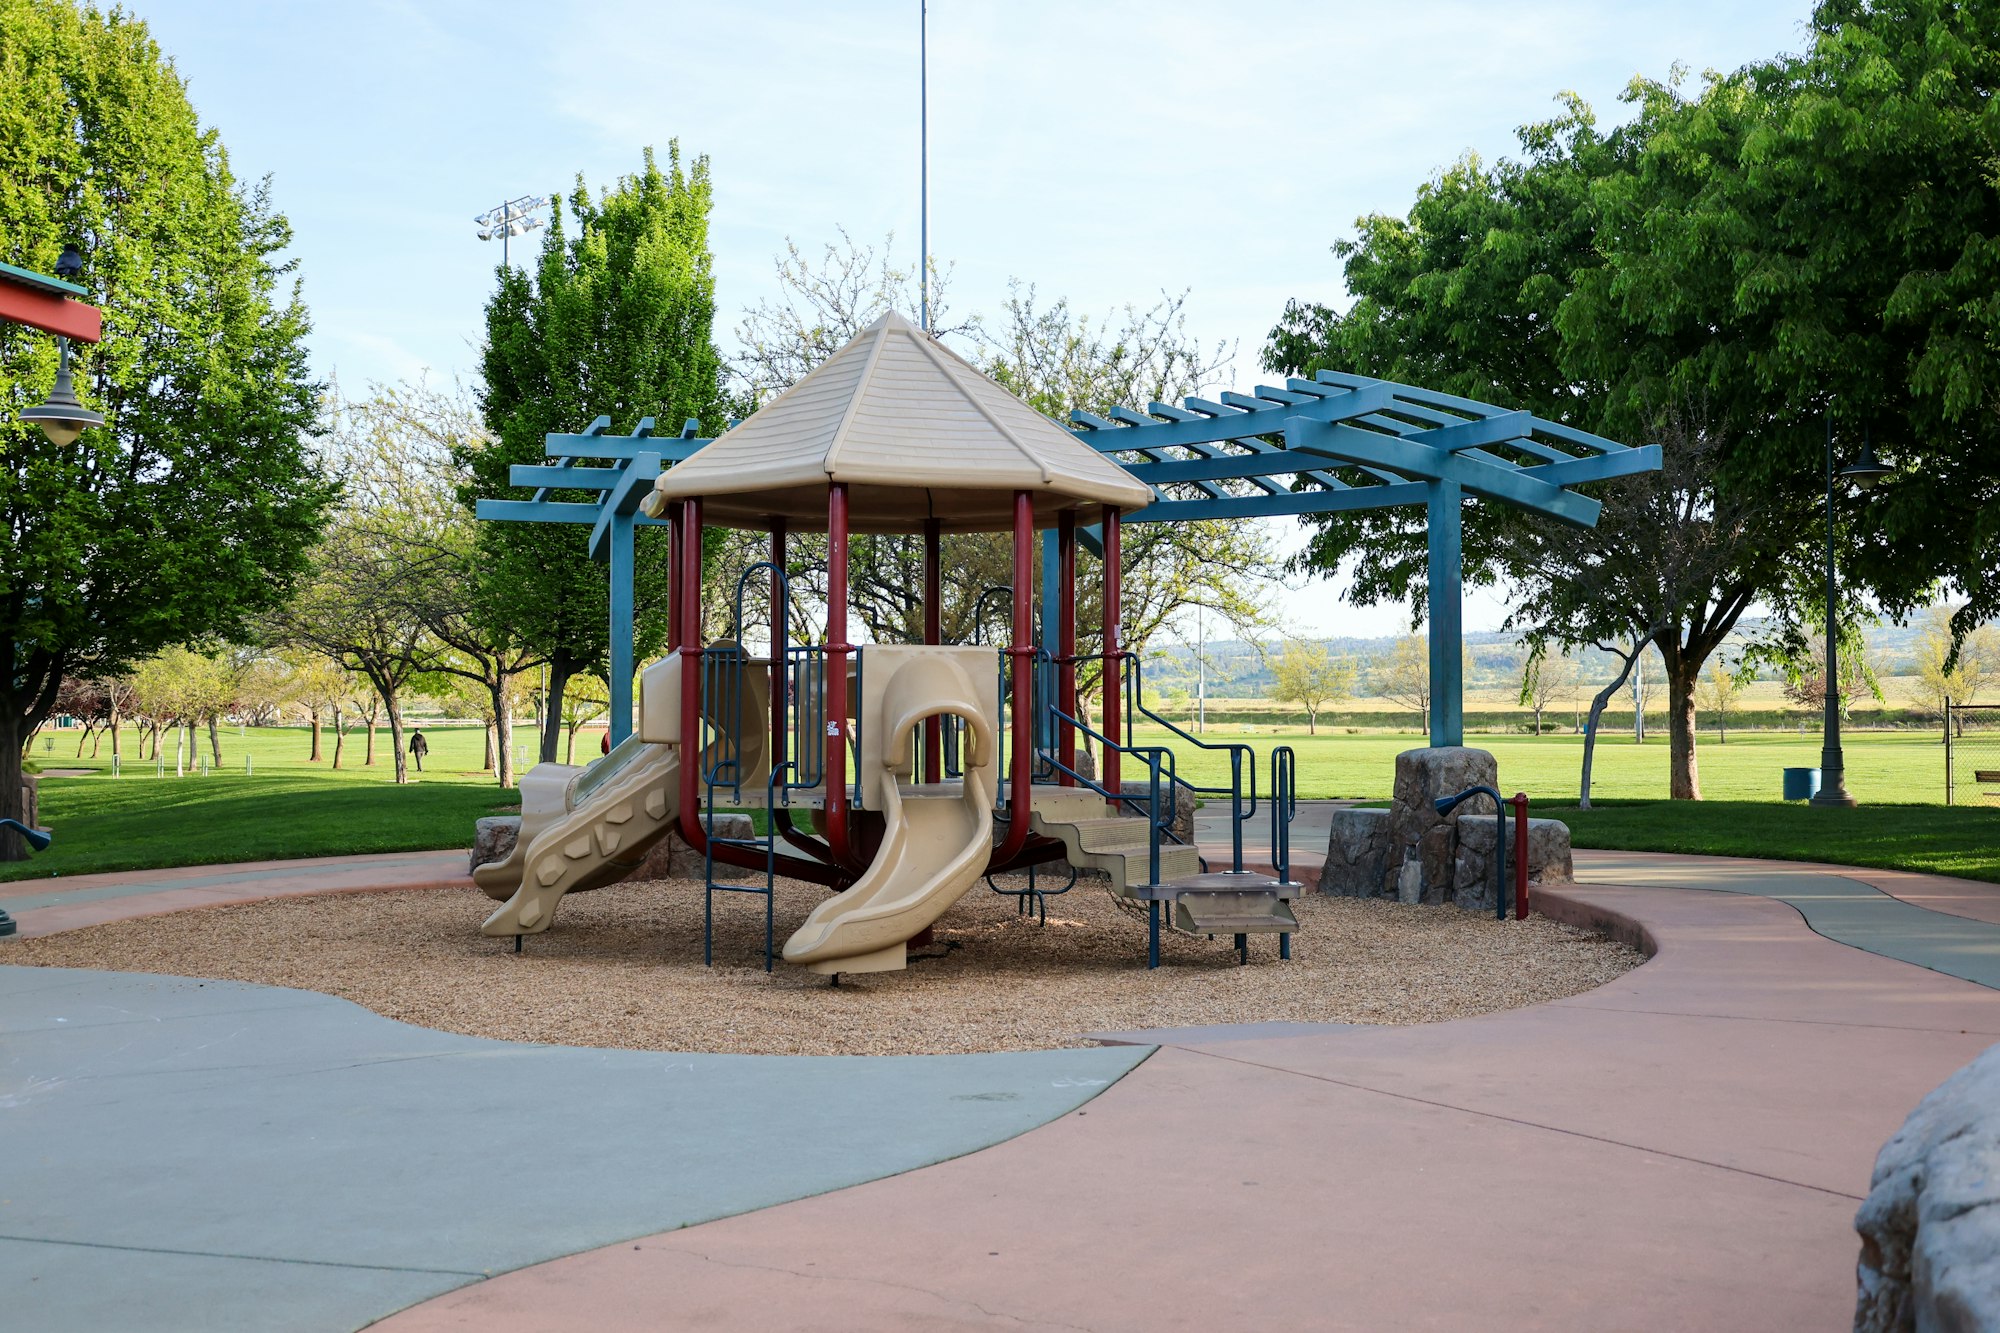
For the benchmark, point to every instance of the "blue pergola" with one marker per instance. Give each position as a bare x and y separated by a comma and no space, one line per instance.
1331,444
621,469
1339,443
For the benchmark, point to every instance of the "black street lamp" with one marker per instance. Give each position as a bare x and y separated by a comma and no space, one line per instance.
63,418
1833,766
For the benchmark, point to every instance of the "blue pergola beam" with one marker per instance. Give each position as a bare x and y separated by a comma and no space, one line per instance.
1287,504
1410,456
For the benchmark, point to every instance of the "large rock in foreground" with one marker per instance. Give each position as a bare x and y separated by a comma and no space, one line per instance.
1930,1227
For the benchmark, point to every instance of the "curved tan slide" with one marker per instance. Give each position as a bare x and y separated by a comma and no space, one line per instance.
582,828
935,844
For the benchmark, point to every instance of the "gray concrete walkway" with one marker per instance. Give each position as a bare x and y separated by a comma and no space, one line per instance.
213,1156
1835,902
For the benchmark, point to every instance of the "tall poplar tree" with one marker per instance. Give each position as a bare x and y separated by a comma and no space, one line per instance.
615,320
190,511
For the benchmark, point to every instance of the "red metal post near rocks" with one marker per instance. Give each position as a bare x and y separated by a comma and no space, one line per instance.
1520,856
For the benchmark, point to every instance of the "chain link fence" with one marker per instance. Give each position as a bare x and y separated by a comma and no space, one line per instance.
1972,754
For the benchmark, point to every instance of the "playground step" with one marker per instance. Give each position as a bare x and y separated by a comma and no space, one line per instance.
1109,835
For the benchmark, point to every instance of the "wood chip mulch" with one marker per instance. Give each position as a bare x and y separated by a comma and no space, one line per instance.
622,968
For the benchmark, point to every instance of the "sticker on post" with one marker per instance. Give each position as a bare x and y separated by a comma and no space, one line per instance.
833,728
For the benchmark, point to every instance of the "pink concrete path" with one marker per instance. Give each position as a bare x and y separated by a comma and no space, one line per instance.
1683,1148
45,906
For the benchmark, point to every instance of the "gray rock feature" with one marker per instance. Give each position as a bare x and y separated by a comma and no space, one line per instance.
1930,1226
1412,854
493,839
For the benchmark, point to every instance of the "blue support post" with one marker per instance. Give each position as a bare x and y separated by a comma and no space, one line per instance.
1446,615
622,527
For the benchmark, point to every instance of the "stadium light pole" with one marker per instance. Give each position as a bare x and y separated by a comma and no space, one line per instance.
1832,761
514,218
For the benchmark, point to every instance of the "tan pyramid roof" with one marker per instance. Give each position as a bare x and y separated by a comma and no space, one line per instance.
914,431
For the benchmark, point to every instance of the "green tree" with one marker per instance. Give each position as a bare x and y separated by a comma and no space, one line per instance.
616,320
1308,675
191,510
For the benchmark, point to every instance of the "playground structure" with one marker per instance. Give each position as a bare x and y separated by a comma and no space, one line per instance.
924,767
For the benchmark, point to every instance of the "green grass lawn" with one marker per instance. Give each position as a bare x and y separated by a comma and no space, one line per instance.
1881,765
1944,840
287,807
293,808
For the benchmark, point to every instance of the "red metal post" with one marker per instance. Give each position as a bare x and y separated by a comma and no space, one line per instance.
933,634
688,635
1520,856
1066,641
1113,672
673,575
1022,655
837,648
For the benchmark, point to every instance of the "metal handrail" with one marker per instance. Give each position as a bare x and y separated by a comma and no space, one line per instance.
1446,804
1240,757
1284,807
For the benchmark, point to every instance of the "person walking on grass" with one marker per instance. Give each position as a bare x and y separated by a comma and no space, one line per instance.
419,747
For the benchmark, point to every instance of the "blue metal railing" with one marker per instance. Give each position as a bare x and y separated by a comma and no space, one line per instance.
1242,758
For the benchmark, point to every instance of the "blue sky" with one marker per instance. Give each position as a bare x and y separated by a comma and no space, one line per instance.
1102,150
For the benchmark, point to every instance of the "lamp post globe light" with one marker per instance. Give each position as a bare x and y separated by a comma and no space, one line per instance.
1864,474
514,218
62,418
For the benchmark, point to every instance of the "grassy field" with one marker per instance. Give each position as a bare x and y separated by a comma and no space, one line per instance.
293,808
1955,840
288,807
1881,765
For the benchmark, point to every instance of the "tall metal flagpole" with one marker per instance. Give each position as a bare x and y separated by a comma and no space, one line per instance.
924,163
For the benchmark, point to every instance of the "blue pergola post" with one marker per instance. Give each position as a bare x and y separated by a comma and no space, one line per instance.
1446,613
622,538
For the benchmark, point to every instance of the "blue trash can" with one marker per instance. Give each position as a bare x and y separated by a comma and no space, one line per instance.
1801,784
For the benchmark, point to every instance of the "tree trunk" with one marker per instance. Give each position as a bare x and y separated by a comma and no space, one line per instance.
339,735
569,750
115,756
1597,705
215,740
1538,719
394,707
1312,723
84,739
561,668
1683,766
313,758
486,766
503,732
368,754
12,848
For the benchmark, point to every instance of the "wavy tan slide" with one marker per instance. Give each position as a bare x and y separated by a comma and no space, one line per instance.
582,828
936,842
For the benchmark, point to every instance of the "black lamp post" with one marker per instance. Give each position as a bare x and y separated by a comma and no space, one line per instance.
1833,766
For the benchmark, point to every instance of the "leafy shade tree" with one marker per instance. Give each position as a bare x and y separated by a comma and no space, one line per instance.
1308,675
418,441
191,510
358,608
1494,287
616,320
